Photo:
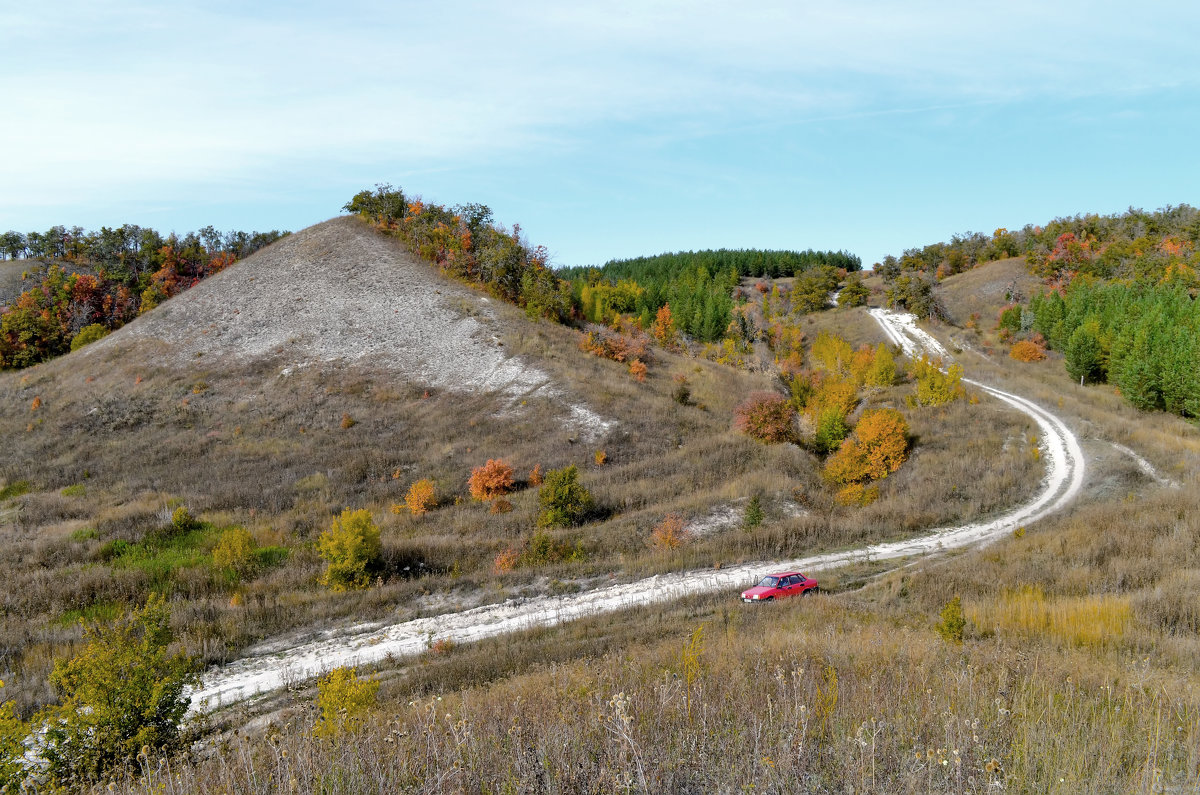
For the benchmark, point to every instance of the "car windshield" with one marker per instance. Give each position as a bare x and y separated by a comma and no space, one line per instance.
768,582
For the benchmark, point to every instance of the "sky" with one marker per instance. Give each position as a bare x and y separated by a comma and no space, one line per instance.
605,129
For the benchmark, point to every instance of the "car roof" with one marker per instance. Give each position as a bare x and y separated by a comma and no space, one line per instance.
786,574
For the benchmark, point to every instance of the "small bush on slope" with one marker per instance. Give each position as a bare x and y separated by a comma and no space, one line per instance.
351,547
767,417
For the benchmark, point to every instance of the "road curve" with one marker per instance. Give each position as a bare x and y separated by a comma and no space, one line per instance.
370,643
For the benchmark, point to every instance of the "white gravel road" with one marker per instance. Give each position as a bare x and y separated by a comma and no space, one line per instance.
270,669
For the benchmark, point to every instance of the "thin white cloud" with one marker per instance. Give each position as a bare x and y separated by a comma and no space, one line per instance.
125,95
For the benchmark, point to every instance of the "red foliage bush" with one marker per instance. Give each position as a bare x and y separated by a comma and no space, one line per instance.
491,480
766,416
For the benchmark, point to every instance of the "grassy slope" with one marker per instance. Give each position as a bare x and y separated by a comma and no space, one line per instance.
142,428
544,711
858,691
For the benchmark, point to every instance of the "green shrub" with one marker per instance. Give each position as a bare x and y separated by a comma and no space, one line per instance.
14,490
351,548
122,693
88,335
564,502
831,429
952,624
77,490
13,731
543,549
753,516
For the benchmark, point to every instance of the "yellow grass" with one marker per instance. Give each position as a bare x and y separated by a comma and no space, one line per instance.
1080,621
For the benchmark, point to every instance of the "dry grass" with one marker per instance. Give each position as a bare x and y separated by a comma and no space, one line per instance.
1030,701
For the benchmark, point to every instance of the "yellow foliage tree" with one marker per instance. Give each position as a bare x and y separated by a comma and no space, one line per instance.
344,700
664,327
234,550
877,448
831,393
935,387
421,497
832,353
883,368
350,547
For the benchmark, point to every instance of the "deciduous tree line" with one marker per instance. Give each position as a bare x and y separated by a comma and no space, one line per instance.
98,281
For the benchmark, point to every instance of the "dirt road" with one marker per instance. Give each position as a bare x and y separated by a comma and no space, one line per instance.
271,668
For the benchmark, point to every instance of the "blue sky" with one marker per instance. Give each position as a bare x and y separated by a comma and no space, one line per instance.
605,129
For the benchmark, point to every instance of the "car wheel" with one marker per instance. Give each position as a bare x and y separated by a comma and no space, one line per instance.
769,599
809,592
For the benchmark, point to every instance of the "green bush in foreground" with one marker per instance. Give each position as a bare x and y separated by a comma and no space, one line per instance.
121,694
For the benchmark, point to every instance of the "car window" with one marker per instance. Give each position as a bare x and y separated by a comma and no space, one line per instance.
768,582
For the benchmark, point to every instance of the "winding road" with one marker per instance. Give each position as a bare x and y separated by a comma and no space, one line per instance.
270,670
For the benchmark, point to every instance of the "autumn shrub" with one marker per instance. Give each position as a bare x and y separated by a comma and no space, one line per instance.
664,331
535,475
563,500
832,353
1027,351
857,495
637,368
121,693
935,386
829,392
351,548
506,561
348,422
767,417
611,344
13,732
344,701
882,372
877,448
235,551
421,497
500,505
669,533
491,480
952,623
182,520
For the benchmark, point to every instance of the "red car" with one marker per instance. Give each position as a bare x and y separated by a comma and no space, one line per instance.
780,586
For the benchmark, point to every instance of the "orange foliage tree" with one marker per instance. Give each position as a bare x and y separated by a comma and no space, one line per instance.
664,327
421,497
877,448
1027,351
669,533
766,416
491,480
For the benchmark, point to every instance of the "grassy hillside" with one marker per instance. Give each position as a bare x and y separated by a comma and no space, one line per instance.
333,369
